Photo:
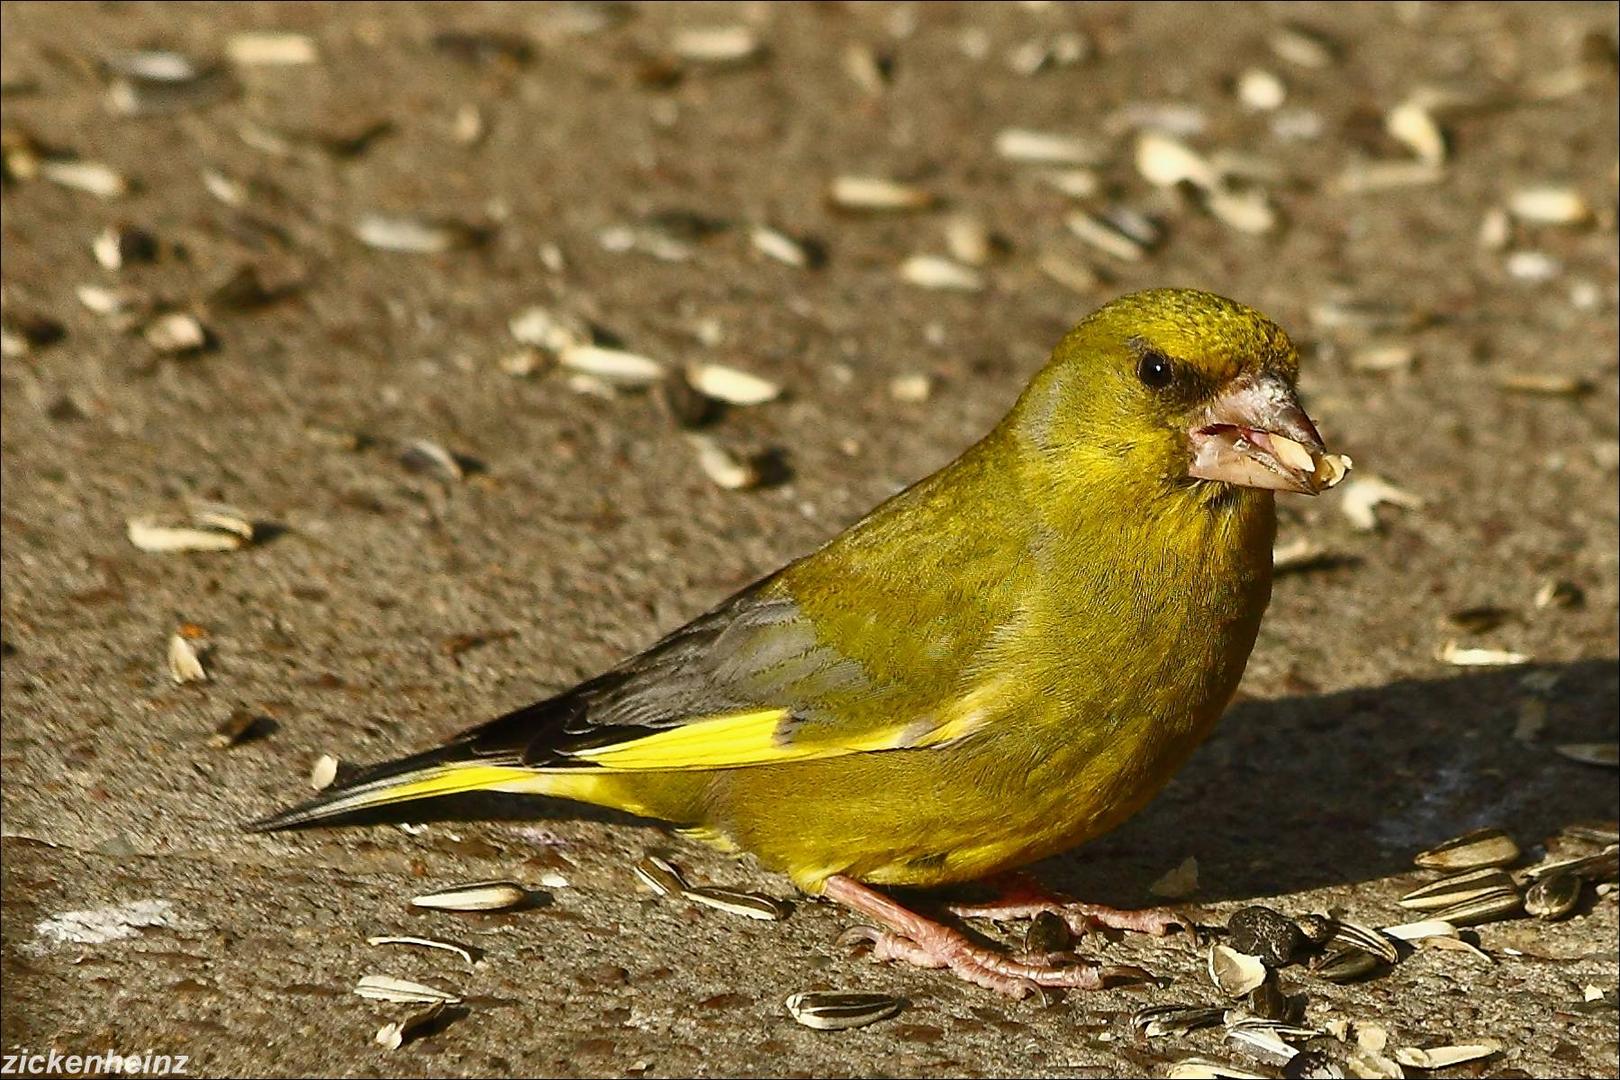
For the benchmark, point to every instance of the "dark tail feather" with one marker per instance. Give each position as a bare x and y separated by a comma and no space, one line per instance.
443,770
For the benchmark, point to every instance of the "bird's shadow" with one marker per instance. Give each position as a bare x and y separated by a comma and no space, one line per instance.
1312,791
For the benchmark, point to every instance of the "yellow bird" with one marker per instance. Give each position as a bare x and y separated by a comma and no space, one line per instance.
1001,662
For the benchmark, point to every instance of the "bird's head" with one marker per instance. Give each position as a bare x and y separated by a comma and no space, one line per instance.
1178,388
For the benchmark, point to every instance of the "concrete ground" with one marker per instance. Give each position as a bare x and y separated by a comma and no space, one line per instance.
383,608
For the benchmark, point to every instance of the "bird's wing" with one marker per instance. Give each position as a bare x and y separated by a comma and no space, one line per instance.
748,683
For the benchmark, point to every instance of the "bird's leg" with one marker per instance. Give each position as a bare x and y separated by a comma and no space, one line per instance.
902,934
1022,897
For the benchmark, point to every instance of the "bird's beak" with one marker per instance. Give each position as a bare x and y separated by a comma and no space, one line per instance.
1255,434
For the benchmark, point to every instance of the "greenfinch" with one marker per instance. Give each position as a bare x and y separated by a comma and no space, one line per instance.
1006,659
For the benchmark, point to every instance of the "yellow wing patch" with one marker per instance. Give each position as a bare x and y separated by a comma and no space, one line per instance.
755,738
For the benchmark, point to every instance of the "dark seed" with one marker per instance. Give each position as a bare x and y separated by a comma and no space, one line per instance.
1553,897
1317,929
1312,1065
1260,931
1047,933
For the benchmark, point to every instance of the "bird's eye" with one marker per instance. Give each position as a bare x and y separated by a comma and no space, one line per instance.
1155,370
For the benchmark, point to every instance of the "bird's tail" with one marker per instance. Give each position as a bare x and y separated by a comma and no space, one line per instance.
445,770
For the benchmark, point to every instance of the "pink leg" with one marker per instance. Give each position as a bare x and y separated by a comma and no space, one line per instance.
1023,898
902,934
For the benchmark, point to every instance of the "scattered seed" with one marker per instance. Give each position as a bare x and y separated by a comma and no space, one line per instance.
429,458
1560,594
550,330
1603,865
1167,162
1593,753
867,68
1249,211
149,536
1196,1068
1457,887
1234,973
1155,1021
722,466
1301,554
478,896
1304,46
1047,934
184,664
323,773
1412,125
1046,148
256,48
1594,832
117,246
736,902
840,1012
240,726
467,126
614,366
660,875
779,246
1344,964
1480,848
718,45
912,388
1487,906
1268,1002
934,272
732,385
876,195
1075,183
1443,1057
1364,177
176,333
1495,229
1553,897
1363,495
1179,882
1261,90
1381,358
413,236
392,1036
1549,206
1349,935
90,176
402,991
1070,273
1104,236
1533,266
1545,383
1459,656
426,943
969,241
1261,1043
1261,931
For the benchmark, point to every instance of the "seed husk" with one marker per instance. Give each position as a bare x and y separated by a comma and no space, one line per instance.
660,875
1488,906
428,457
913,388
779,246
615,366
552,331
1104,236
1480,620
216,528
1456,888
392,1036
1591,753
736,902
1412,125
1349,935
1155,1021
1196,1068
718,45
184,664
1268,1002
1261,90
402,991
1344,964
1261,931
117,246
1304,46
872,194
323,772
1553,897
1234,973
1420,931
935,272
1594,832
970,243
175,333
1453,653
728,470
1070,273
240,726
1549,206
1560,594
412,236
1471,851
477,896
1178,882
270,48
828,1011
1545,383
1363,495
1046,148
1443,1057
732,385
1602,866
89,176
422,942
1166,162
1381,358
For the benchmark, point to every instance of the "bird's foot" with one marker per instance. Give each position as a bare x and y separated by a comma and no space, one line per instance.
1023,898
914,939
